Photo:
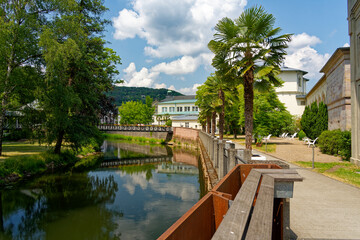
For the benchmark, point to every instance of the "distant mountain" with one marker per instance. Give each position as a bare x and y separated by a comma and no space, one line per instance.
126,94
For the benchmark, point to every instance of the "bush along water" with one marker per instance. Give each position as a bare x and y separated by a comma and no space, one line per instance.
336,142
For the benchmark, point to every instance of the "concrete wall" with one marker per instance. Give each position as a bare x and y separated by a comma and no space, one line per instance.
185,133
192,124
354,32
317,93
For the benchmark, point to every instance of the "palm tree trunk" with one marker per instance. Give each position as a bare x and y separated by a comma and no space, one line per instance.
213,123
248,98
208,124
222,114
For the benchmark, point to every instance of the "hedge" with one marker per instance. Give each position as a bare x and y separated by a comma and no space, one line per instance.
336,142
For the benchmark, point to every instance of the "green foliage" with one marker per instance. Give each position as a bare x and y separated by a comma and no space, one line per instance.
168,123
336,142
137,112
314,120
301,135
79,68
270,115
87,163
127,94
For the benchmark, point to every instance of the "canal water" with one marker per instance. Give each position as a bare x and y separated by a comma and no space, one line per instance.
137,192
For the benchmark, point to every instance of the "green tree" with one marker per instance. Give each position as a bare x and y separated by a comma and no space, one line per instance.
20,57
79,68
204,100
149,110
135,112
253,51
314,120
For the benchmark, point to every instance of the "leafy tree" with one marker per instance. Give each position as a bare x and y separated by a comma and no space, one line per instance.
79,68
253,51
136,112
20,56
314,120
204,99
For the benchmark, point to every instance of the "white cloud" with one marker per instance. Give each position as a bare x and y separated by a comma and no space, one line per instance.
302,55
143,78
346,45
190,90
160,85
183,65
174,28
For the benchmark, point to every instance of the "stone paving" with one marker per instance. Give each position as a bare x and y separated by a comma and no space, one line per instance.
322,208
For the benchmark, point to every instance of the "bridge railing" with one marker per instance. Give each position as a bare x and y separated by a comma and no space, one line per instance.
133,128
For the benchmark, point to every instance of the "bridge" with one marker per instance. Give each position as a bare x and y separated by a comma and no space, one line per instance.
133,128
115,162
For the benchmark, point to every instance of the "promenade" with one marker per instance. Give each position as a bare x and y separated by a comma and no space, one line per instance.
322,208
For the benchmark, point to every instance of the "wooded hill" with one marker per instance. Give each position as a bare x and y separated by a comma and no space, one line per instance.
126,94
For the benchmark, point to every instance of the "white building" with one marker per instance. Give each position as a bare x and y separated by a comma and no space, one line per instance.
181,109
293,91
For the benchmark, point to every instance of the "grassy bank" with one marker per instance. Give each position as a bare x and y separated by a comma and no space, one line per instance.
24,159
343,171
21,148
133,138
271,147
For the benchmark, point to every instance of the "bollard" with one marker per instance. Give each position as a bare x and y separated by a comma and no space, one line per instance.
232,157
211,153
247,155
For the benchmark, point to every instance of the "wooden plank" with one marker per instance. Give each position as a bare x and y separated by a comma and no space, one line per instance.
276,171
286,177
234,223
260,226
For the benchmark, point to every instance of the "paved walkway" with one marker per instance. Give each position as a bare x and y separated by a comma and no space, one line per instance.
322,208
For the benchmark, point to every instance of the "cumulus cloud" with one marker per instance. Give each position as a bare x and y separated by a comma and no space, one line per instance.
190,90
174,28
346,45
142,78
302,55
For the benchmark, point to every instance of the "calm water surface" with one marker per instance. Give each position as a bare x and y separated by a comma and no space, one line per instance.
137,193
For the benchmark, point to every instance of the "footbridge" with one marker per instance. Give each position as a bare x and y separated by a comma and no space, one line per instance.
115,162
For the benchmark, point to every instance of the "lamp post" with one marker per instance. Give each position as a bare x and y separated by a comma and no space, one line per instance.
313,156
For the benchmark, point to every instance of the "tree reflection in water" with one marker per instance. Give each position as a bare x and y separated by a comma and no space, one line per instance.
78,201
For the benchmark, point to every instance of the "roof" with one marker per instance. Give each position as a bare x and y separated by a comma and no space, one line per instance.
180,101
339,52
287,69
185,117
174,98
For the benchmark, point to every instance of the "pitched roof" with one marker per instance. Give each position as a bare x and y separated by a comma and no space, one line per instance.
287,69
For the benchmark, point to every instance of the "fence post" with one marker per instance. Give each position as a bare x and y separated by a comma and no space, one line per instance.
222,163
211,153
216,154
232,159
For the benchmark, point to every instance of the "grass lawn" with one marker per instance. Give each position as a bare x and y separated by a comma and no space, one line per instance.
21,148
344,171
271,147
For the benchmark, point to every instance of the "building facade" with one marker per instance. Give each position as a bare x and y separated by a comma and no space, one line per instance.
293,91
180,109
354,32
334,90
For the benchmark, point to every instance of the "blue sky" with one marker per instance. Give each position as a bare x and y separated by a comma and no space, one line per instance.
163,43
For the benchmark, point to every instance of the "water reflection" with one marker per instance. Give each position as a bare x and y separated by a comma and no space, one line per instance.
125,201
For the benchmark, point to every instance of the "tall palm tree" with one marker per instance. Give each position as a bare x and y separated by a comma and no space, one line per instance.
253,52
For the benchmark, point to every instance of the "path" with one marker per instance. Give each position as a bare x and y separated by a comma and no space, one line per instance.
322,208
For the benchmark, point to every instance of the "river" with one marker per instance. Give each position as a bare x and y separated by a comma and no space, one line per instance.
137,192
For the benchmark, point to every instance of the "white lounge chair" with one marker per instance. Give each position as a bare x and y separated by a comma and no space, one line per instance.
292,136
282,135
312,142
267,138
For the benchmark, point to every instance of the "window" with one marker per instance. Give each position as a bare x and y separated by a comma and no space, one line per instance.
187,123
171,109
186,109
302,102
179,109
195,109
164,109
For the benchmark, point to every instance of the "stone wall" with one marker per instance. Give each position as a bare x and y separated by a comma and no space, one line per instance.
158,135
188,134
338,95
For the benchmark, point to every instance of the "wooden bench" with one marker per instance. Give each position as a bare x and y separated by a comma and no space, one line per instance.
251,214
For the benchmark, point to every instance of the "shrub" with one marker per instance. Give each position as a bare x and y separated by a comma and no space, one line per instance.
314,120
336,142
301,135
